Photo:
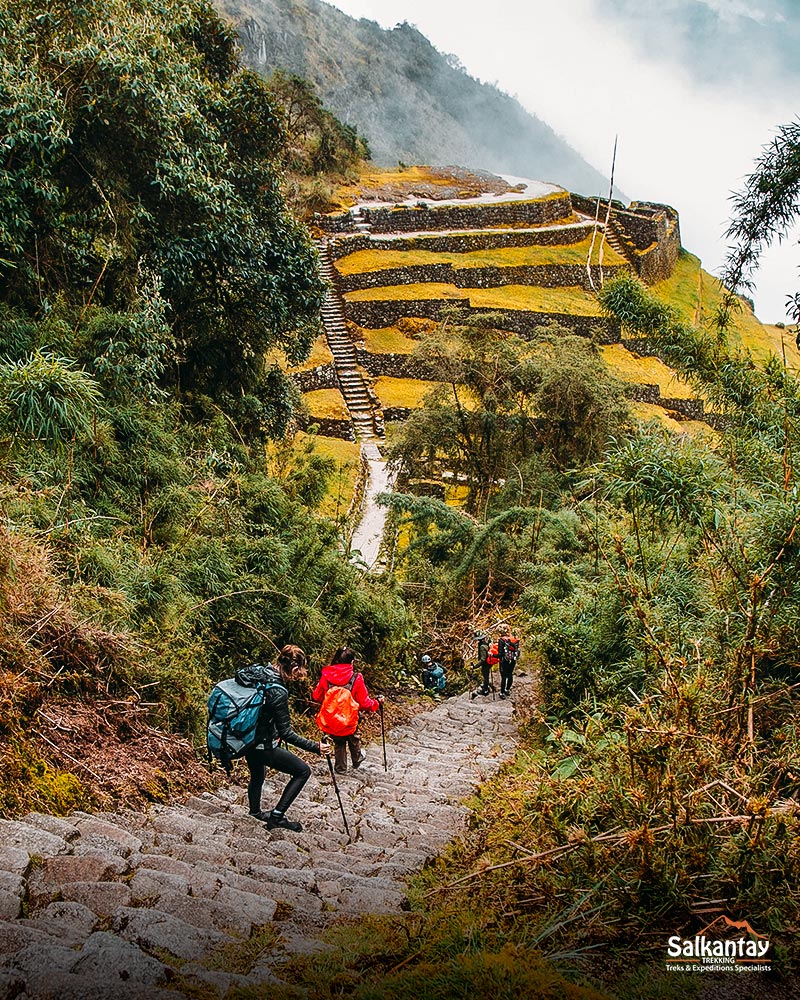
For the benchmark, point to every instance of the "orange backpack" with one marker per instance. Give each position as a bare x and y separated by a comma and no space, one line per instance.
493,657
338,715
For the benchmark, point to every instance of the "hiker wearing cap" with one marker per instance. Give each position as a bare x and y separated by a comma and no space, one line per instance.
343,693
483,664
274,725
433,675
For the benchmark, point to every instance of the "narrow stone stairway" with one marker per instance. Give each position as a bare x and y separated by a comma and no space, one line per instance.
172,903
617,244
367,423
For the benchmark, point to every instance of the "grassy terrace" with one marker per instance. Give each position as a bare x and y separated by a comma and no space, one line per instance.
647,412
347,456
405,392
326,404
645,371
386,340
319,355
570,300
364,261
697,295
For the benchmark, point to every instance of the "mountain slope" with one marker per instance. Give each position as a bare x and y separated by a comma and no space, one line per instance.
411,102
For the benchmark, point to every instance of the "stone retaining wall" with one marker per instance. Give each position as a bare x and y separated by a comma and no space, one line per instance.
321,377
542,276
649,232
648,393
425,217
391,413
386,312
328,426
394,365
462,242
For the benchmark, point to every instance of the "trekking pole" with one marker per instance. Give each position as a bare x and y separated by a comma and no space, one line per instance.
339,797
383,740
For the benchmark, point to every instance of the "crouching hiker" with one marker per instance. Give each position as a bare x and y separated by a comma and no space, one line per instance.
275,724
343,694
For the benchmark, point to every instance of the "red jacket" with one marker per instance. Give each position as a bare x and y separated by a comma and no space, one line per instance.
340,673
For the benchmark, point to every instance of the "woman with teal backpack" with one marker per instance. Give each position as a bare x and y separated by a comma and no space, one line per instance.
274,726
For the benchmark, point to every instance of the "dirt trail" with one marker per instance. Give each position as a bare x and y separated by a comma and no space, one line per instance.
117,905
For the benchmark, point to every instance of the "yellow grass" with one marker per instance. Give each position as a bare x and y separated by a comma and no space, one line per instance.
320,355
407,392
570,300
365,261
387,340
697,295
647,412
645,371
347,456
326,403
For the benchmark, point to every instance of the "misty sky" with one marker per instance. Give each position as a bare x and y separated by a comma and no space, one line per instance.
694,88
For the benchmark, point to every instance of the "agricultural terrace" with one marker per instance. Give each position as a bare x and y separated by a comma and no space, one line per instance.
402,393
645,370
570,300
536,255
326,404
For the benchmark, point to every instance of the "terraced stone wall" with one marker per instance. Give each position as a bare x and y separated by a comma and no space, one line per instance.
394,365
386,312
694,409
322,377
426,218
542,275
649,232
341,246
328,426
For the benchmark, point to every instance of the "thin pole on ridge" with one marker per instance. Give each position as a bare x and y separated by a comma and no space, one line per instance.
608,209
591,247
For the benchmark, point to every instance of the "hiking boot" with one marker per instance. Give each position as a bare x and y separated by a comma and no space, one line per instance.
361,758
261,816
278,820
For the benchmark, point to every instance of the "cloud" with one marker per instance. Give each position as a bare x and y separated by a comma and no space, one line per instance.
733,43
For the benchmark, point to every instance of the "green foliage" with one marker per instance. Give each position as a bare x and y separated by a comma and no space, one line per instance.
44,398
141,176
320,150
764,212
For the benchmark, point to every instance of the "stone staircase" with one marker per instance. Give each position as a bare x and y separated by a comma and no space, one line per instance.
152,906
361,404
622,248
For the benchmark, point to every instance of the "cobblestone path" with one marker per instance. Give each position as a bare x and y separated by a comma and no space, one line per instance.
113,906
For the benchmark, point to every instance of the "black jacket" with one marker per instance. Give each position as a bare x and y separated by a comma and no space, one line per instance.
274,721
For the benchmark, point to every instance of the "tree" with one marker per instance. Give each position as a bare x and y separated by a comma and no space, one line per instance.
763,211
144,161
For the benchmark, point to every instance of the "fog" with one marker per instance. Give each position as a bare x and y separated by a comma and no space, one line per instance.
692,88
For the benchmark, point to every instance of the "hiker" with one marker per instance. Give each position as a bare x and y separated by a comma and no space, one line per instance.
339,715
433,675
483,664
507,654
274,725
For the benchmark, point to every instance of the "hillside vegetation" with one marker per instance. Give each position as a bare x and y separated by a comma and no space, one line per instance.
158,528
148,543
411,102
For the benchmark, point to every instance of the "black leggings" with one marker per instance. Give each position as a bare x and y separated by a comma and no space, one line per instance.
279,760
506,677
